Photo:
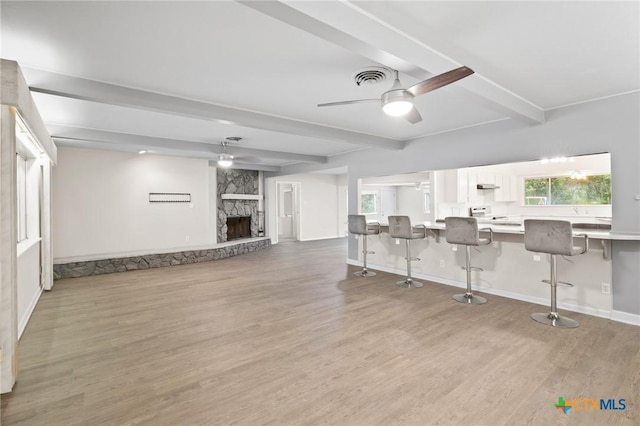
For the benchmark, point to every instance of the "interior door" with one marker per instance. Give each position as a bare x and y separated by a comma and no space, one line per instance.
387,204
286,211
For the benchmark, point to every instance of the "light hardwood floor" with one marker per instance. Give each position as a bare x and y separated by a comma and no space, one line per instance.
289,336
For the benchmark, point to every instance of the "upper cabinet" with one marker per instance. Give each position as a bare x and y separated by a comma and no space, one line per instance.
456,186
461,186
508,190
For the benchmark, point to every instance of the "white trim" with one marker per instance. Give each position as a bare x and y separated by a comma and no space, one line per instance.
241,197
592,100
26,244
323,238
27,314
602,313
625,317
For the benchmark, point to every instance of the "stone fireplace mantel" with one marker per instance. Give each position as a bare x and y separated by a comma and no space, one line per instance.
241,197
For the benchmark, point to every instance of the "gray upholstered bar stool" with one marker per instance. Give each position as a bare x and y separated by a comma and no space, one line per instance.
554,237
358,225
465,231
400,227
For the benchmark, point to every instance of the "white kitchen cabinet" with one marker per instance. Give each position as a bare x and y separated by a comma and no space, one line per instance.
456,186
508,188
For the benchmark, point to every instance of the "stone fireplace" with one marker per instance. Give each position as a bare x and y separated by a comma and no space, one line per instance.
234,182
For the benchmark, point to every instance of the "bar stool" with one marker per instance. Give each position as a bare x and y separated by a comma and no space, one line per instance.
464,231
358,225
554,237
400,227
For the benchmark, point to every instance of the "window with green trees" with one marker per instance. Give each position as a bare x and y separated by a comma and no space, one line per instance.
369,202
568,190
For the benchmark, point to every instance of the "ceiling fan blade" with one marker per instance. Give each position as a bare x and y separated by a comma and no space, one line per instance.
439,81
413,116
357,101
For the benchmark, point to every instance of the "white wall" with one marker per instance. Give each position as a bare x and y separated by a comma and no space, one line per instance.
101,204
319,205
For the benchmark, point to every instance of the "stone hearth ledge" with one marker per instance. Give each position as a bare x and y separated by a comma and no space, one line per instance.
65,268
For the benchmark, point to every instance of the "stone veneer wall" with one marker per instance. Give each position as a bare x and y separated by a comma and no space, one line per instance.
123,264
233,181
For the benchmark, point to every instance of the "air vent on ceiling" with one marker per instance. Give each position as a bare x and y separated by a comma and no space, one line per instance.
371,75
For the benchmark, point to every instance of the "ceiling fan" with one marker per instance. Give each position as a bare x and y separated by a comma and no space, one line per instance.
398,101
225,160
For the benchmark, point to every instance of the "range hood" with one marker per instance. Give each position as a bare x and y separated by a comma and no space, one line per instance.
487,186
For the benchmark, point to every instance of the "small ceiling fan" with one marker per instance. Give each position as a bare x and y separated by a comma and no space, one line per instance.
398,101
225,160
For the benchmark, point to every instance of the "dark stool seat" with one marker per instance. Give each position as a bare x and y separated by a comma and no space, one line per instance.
358,226
554,237
465,231
400,227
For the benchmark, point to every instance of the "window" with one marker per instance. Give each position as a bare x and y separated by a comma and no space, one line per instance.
369,202
577,189
21,172
427,202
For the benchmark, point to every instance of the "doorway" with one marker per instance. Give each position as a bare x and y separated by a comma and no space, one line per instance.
288,211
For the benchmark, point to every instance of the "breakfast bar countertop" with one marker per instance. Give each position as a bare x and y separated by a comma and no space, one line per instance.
515,225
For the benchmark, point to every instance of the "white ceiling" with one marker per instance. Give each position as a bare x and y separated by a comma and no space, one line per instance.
181,76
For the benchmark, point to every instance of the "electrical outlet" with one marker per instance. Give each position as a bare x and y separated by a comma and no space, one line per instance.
442,263
454,248
536,258
186,238
606,288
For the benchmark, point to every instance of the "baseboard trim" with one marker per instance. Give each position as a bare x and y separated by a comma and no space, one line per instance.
335,237
625,317
618,316
22,324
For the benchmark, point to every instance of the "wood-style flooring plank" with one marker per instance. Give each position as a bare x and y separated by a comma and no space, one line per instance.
290,336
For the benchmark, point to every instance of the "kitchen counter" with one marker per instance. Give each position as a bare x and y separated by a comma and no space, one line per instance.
509,270
515,225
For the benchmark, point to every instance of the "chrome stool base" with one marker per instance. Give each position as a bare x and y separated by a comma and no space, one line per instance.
469,299
365,273
409,284
554,320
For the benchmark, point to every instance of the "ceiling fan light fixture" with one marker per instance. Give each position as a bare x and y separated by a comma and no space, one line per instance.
225,160
397,103
397,108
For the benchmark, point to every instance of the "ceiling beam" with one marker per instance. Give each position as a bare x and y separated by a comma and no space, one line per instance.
79,143
346,25
105,93
139,142
247,166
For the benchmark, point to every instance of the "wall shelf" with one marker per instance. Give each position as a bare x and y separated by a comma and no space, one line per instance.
241,197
